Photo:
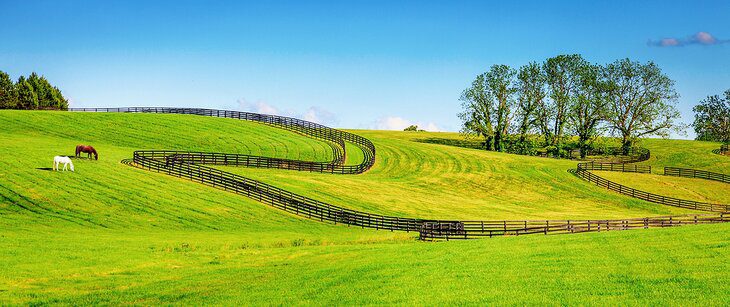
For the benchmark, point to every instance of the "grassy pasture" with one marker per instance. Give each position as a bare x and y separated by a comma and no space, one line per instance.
685,188
114,234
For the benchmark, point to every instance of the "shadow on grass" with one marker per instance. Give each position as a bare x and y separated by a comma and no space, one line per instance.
474,144
44,168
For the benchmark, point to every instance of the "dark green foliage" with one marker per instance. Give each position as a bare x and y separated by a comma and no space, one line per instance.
34,92
563,74
27,98
487,105
411,128
8,93
565,97
641,101
712,118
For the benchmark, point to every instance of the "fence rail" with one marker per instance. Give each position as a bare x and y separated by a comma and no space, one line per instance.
584,171
191,165
694,173
476,229
724,148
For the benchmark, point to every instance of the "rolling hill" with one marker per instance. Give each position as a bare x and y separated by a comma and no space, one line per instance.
110,233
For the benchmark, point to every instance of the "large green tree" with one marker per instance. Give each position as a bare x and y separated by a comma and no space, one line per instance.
476,115
589,107
532,92
34,92
712,118
8,93
27,98
641,101
500,80
563,79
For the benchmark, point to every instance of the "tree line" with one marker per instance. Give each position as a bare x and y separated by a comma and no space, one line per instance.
712,118
566,102
31,93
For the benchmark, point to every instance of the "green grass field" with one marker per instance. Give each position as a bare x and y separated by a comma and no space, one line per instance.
113,234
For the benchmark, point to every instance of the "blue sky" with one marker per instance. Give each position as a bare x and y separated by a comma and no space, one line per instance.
347,64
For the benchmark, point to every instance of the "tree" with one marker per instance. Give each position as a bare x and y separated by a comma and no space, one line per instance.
476,102
500,82
8,93
562,74
411,128
532,93
641,101
27,98
589,107
712,119
59,102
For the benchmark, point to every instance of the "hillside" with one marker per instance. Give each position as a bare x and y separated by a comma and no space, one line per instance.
118,234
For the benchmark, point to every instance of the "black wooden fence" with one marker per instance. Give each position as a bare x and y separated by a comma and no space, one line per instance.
477,229
334,137
724,148
190,165
694,173
584,171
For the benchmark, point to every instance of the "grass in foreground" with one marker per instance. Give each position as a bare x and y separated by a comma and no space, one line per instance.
114,234
678,266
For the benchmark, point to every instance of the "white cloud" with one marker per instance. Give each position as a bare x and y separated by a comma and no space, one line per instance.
399,123
699,38
257,107
313,114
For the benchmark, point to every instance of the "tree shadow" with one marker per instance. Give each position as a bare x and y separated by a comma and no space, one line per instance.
474,144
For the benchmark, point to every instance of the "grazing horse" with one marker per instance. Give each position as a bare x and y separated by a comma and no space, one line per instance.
86,149
62,159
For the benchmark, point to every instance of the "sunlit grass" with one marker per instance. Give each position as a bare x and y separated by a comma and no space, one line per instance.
113,234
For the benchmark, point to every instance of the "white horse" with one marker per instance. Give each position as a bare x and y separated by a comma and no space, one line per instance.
62,159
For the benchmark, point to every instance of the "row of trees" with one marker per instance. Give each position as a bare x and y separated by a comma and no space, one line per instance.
34,92
566,97
712,118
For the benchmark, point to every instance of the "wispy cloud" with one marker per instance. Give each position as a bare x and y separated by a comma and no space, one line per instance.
699,38
313,114
399,123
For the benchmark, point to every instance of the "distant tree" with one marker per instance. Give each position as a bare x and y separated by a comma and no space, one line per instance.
531,97
641,101
589,107
27,98
712,118
476,115
563,79
34,92
500,81
8,93
48,95
411,128
58,101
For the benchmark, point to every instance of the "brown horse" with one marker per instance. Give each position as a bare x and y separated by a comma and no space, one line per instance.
86,149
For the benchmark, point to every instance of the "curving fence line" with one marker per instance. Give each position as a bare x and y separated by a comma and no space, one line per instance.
584,171
694,173
724,149
191,165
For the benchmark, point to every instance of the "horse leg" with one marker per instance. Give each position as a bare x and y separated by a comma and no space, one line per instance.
55,166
